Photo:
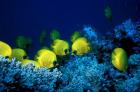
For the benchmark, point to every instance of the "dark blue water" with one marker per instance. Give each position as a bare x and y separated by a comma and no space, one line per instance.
30,17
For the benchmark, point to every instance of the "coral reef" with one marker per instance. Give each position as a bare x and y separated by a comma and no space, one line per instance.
91,72
125,30
82,73
127,36
15,77
90,32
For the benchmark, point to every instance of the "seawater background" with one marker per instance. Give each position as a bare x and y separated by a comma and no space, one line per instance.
30,17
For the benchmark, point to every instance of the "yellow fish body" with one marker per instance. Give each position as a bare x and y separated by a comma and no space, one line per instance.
5,49
19,54
81,46
27,61
119,59
60,47
46,58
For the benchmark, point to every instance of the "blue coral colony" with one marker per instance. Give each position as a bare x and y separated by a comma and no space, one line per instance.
87,64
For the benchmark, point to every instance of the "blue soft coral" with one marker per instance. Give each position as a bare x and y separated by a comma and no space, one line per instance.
83,73
14,76
127,29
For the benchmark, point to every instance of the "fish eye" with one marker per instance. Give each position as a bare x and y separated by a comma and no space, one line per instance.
66,51
25,57
6,57
74,52
55,63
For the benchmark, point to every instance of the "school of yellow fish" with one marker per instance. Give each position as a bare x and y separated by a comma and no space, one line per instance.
48,57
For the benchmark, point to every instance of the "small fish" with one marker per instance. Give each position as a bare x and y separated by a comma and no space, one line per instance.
108,13
60,47
5,49
55,35
46,58
19,54
27,61
75,36
42,37
119,59
23,42
81,46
